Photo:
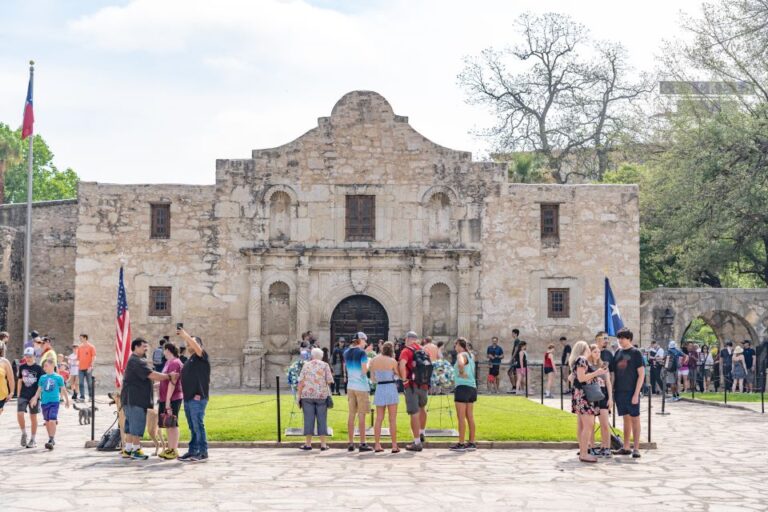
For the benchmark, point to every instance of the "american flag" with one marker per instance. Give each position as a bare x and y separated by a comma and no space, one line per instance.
123,338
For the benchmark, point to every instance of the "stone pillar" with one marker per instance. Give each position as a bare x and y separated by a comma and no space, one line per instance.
417,311
253,351
302,295
464,303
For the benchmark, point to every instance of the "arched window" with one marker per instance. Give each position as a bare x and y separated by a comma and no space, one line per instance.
439,218
439,309
278,309
280,217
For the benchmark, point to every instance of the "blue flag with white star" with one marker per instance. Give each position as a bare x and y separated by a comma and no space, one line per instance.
613,322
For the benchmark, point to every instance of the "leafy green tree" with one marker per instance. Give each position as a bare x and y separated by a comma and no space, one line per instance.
10,154
50,183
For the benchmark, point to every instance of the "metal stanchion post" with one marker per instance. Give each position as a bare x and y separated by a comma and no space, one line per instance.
762,392
649,413
614,414
277,393
561,386
725,392
93,408
663,411
542,384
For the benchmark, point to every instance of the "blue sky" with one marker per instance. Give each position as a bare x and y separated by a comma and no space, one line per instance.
154,91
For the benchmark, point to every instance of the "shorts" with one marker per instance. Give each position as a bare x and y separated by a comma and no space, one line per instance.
2,403
671,377
51,411
683,372
175,407
72,378
624,405
547,371
23,403
415,399
135,420
522,371
494,370
603,404
491,379
465,394
359,401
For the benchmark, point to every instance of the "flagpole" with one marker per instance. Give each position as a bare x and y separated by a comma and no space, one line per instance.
28,244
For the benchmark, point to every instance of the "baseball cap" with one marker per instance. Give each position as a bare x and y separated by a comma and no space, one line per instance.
361,336
411,334
29,351
672,344
34,334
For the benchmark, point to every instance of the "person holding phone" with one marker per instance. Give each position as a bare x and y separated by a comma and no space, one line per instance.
195,383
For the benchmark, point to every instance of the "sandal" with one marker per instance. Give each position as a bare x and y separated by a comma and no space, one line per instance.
378,450
396,450
305,448
588,460
323,448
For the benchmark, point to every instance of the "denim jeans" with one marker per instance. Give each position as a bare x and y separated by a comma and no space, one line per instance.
85,378
194,410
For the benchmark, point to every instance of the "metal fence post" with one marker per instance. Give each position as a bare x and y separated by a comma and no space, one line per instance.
542,384
93,407
277,393
561,386
725,392
649,412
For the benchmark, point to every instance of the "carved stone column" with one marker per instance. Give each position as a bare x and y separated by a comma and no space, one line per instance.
302,295
417,310
464,303
253,351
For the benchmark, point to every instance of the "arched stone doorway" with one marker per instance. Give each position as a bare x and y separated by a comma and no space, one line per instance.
726,325
359,313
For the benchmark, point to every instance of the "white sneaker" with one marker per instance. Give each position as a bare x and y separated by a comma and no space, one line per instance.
23,439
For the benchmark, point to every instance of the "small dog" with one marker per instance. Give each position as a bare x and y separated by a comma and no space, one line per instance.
84,414
152,428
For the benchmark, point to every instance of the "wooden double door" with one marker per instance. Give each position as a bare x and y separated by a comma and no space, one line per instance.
359,313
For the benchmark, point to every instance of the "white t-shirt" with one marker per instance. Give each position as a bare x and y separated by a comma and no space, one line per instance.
74,363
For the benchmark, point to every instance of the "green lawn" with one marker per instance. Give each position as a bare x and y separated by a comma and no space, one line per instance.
732,397
498,418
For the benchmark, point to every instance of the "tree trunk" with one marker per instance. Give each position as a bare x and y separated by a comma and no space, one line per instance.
2,181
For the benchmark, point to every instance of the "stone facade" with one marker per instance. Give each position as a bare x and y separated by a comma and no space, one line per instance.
266,253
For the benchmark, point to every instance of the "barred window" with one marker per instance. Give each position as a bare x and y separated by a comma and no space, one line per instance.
361,218
159,301
550,222
161,221
558,303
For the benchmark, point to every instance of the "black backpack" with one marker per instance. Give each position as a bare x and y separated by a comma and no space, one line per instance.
110,441
422,371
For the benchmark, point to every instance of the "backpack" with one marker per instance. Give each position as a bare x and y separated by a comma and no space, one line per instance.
422,370
110,441
672,362
157,356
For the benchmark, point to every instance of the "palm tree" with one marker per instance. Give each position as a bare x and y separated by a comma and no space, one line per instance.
10,154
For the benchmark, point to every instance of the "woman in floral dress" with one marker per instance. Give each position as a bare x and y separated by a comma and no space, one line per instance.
313,392
585,411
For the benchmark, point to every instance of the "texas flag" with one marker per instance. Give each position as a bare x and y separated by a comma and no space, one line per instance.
29,115
613,322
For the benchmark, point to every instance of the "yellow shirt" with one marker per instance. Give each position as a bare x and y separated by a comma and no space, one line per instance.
50,355
4,392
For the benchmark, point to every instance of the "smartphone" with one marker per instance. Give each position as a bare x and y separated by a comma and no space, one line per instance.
179,326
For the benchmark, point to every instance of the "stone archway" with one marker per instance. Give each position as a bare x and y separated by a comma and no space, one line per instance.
359,313
726,325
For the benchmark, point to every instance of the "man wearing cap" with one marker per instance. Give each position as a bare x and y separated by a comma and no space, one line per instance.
26,386
656,360
415,395
358,389
33,336
671,366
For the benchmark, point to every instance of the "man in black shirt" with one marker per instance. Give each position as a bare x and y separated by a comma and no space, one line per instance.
195,381
749,362
565,369
514,360
628,375
601,339
26,388
136,397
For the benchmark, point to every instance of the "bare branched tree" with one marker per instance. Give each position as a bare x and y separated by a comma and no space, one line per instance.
568,107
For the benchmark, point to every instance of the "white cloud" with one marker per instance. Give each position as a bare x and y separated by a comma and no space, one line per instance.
155,91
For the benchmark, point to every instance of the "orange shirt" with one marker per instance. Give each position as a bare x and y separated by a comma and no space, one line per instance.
86,353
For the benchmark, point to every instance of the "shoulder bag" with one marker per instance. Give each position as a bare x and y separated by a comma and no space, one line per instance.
592,392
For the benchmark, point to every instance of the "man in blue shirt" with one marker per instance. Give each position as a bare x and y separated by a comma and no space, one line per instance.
358,389
495,354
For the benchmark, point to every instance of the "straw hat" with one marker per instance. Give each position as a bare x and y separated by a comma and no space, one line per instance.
738,350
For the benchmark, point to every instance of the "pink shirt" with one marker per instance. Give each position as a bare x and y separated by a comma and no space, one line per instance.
315,376
173,366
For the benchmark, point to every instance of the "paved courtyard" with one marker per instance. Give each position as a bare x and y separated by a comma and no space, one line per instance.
708,459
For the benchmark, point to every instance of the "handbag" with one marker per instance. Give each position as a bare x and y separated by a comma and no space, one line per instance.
329,402
168,420
592,392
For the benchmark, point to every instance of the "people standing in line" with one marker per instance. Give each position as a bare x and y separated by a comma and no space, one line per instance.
726,359
74,372
337,365
413,371
628,378
706,364
514,361
749,362
51,387
86,355
656,361
565,367
739,370
549,370
693,365
585,410
384,373
313,393
522,368
136,397
465,396
671,366
6,373
158,359
717,374
682,371
358,390
26,387
495,354
195,385
170,398
605,405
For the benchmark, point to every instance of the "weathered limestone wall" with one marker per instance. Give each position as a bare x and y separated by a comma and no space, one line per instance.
208,287
53,271
599,237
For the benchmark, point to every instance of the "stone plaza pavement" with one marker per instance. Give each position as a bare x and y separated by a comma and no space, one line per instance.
709,458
